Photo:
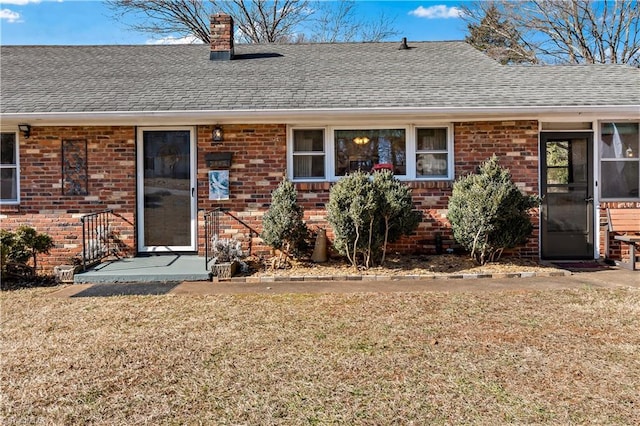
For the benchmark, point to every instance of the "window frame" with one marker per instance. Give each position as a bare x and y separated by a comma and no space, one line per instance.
449,151
291,154
15,166
601,160
411,131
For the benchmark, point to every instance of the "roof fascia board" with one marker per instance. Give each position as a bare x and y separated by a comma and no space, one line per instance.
320,115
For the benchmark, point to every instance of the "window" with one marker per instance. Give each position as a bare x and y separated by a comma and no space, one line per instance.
9,190
369,150
410,152
619,160
308,154
432,153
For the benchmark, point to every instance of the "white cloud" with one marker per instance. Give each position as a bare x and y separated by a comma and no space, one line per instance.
175,40
9,15
436,12
19,2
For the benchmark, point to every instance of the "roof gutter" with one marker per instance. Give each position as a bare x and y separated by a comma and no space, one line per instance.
322,115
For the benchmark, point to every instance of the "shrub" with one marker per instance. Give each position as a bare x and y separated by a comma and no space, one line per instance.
283,225
226,250
368,212
21,247
488,213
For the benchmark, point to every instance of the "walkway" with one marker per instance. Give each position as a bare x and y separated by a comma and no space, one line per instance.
612,278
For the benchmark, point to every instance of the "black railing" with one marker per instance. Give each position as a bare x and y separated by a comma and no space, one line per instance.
95,237
212,229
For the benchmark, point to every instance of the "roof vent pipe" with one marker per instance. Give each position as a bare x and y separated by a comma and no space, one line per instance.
403,44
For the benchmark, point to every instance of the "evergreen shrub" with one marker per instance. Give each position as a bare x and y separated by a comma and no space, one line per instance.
488,213
283,227
366,212
19,250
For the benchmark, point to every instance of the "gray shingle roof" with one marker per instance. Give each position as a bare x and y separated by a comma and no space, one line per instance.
298,76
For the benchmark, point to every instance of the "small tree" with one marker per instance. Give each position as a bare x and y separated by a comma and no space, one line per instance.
22,246
283,225
488,213
366,213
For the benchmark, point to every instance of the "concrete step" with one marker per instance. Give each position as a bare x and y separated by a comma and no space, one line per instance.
144,269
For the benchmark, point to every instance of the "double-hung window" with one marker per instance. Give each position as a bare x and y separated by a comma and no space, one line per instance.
308,154
433,153
410,152
619,160
9,169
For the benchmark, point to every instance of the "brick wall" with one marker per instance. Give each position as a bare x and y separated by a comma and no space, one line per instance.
111,184
516,144
258,165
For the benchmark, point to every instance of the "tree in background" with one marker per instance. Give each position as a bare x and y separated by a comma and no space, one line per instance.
556,31
499,39
338,21
488,213
256,21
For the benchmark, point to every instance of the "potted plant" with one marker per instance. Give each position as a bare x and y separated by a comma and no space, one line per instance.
66,271
227,256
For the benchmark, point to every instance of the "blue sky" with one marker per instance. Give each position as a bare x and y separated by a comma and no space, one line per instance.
91,22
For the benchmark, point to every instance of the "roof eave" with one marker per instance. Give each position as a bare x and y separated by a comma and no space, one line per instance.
325,115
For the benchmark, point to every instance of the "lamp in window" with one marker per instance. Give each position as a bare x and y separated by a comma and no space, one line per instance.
25,129
216,135
363,140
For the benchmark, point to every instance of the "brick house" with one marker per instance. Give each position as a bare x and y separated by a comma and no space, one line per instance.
146,131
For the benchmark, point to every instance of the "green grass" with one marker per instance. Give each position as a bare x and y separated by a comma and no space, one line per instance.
423,358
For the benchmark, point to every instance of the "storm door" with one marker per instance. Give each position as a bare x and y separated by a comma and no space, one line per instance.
567,210
166,190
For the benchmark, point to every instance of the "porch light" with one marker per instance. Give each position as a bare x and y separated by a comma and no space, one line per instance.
216,135
25,129
361,140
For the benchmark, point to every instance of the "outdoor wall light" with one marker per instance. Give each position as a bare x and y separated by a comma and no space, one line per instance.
25,129
216,135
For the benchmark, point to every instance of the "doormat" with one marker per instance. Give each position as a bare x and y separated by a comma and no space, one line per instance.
581,266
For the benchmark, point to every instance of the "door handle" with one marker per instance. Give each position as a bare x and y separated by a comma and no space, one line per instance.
588,199
192,191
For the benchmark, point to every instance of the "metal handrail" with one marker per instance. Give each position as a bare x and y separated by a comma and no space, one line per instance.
212,228
95,237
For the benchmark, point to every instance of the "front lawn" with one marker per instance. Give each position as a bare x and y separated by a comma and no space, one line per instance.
401,358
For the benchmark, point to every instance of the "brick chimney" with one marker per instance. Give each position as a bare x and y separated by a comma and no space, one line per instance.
221,37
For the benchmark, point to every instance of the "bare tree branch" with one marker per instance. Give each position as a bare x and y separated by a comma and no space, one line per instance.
564,31
256,21
338,21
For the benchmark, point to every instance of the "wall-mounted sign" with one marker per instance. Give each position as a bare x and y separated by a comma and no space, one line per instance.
221,160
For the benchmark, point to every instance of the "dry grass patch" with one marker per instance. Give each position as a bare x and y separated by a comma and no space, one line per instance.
524,357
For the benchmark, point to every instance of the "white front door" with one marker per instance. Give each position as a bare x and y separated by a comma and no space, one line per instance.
167,214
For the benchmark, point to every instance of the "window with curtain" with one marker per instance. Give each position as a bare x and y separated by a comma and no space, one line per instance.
619,160
432,153
308,154
9,172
